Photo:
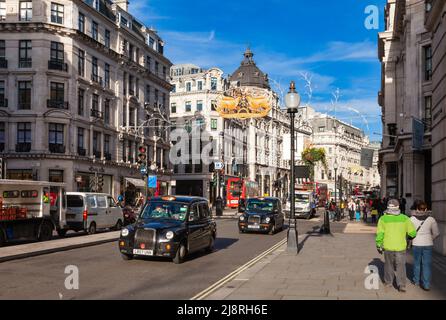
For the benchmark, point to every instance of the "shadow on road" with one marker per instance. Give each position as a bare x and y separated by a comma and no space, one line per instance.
224,243
314,233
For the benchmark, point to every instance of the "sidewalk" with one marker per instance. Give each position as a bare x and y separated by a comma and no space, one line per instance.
327,268
39,248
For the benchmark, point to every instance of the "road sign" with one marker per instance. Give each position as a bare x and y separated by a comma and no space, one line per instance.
143,170
219,166
152,182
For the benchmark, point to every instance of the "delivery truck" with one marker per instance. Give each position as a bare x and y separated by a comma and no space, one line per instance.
31,210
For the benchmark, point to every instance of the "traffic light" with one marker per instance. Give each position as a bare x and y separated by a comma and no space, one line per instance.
100,182
92,184
142,155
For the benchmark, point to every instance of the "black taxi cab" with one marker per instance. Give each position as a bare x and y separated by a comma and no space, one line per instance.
262,215
171,227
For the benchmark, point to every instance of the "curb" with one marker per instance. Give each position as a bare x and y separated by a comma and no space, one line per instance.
54,250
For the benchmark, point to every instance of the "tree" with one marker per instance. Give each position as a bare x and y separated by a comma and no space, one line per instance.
312,156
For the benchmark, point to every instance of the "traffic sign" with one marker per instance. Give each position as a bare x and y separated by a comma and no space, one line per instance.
219,165
152,182
143,170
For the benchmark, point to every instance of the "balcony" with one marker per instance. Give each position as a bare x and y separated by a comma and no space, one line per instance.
96,79
97,114
25,63
57,65
3,103
57,104
81,152
107,156
23,147
56,148
3,63
97,154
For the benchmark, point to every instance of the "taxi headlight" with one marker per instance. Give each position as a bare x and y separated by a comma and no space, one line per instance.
267,220
242,218
125,232
170,235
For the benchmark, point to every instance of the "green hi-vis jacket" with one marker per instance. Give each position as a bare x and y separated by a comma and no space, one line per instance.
393,231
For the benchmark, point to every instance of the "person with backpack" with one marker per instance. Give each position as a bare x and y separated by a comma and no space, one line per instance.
391,239
422,245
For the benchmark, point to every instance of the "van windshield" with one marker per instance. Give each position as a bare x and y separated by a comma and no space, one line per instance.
165,210
75,201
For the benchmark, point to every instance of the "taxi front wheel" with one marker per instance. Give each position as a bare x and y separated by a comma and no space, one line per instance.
180,255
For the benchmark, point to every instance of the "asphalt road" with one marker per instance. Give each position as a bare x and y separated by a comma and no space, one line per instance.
104,275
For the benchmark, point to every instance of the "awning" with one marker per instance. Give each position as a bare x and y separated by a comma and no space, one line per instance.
136,182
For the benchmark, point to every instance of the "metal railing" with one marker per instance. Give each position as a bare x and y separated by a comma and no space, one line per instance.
25,63
3,63
57,104
95,78
57,65
81,152
56,148
23,147
3,103
97,114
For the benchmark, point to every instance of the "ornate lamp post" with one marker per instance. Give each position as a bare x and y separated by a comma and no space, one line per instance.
292,101
336,167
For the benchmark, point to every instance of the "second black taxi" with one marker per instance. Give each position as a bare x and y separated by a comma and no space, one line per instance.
170,227
262,215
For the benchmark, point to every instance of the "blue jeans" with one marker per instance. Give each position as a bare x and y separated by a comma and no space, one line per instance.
422,257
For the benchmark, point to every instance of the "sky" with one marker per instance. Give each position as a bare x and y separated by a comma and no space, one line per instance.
325,42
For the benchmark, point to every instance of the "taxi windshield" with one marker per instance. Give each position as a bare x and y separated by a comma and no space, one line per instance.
165,210
260,205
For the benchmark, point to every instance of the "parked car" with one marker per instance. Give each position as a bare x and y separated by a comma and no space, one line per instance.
262,215
93,211
170,227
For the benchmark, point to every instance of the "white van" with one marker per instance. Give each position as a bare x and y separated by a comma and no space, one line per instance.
92,211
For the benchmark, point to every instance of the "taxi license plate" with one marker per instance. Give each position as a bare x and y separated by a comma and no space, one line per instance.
254,227
140,252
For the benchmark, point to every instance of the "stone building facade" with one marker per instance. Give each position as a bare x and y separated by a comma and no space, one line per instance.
77,78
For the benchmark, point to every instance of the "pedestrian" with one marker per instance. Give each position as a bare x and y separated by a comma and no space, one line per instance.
374,214
351,209
391,239
403,205
331,210
358,211
365,211
427,232
414,207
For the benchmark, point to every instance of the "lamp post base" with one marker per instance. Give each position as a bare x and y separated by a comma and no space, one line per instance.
292,240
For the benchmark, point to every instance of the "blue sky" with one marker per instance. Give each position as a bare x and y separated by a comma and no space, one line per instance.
326,40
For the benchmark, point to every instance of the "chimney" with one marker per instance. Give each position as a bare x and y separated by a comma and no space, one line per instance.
123,4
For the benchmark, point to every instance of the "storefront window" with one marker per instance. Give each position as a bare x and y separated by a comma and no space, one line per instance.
55,176
18,174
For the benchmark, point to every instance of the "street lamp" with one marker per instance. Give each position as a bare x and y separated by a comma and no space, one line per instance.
336,167
292,102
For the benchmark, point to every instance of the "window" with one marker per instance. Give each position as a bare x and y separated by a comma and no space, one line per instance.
188,106
24,95
157,96
199,105
164,72
2,95
214,124
96,145
107,111
213,105
428,63
56,133
174,88
2,10
25,48
2,49
55,176
57,91
148,62
147,96
137,87
80,139
80,101
131,52
213,83
81,23
106,144
57,13
102,201
81,63
57,52
151,43
124,83
2,137
131,86
321,129
111,202
94,69
173,108
200,85
94,30
427,114
107,75
157,67
24,132
107,38
26,10
95,102
188,87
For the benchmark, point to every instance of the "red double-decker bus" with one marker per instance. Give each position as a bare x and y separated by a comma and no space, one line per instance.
236,188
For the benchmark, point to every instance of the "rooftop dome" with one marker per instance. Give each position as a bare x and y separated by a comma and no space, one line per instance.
248,74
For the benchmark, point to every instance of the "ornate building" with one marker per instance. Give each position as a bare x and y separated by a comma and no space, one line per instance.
77,79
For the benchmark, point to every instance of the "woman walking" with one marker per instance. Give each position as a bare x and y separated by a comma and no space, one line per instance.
427,232
358,212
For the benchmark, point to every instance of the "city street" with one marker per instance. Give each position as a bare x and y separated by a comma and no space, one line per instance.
104,275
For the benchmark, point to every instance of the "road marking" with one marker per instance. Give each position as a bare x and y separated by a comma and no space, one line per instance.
203,294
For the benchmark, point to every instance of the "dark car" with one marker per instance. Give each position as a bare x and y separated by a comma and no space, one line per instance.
262,215
170,227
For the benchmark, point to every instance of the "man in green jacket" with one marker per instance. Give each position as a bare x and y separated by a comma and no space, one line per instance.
391,238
